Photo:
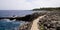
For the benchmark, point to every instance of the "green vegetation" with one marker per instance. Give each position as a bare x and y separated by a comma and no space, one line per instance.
47,9
41,27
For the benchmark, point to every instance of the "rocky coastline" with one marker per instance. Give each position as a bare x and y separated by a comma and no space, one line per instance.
49,22
29,24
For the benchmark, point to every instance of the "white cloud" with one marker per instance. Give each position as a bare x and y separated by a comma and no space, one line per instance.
46,3
27,4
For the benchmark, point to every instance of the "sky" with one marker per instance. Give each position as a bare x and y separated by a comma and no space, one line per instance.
27,4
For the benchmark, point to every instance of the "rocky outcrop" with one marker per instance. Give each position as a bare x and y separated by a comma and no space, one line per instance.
29,19
33,17
50,22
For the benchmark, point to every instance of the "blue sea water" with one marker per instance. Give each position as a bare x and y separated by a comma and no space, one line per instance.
6,24
14,12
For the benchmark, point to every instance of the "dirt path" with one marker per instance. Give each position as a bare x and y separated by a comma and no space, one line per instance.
35,25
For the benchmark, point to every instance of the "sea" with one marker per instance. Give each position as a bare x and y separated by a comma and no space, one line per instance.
6,24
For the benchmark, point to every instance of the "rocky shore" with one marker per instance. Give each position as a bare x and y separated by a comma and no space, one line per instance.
27,26
50,22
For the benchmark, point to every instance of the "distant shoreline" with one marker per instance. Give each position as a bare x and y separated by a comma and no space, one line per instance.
47,9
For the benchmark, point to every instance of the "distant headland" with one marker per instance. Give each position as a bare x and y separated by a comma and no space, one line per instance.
47,9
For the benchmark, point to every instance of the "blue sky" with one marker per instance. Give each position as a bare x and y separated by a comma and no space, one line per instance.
27,4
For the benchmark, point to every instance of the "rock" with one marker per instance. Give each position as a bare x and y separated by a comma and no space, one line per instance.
51,21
